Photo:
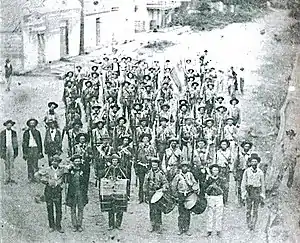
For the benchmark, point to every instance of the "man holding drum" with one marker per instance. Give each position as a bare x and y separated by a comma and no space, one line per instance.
183,185
155,181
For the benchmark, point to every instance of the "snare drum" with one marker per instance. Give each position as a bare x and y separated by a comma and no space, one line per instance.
164,200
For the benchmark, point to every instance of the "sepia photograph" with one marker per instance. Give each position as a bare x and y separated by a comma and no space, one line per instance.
150,121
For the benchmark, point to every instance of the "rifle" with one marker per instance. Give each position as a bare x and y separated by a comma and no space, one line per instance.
177,120
192,156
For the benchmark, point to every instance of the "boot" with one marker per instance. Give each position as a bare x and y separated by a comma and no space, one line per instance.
158,229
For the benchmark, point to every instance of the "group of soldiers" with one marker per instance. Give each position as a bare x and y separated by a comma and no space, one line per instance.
178,135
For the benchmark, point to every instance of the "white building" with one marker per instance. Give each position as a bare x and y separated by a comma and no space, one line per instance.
107,21
39,32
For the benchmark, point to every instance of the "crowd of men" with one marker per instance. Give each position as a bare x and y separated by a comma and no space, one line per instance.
124,116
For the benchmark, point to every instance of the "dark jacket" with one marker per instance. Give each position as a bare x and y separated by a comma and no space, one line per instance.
8,70
215,186
38,139
53,147
3,143
71,194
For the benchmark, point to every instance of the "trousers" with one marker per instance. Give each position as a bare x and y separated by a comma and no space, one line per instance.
32,162
115,219
54,222
8,81
252,204
155,214
9,163
77,217
184,217
215,209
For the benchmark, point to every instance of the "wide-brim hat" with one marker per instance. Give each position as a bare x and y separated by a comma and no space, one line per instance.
291,132
82,134
152,68
209,119
128,74
210,83
229,118
226,141
95,74
121,118
77,122
126,82
237,101
78,66
167,77
88,81
94,68
220,97
185,162
202,140
108,81
115,105
126,136
186,105
173,139
148,84
96,122
52,103
168,69
97,105
154,159
213,166
183,101
67,74
9,121
163,119
147,77
146,135
195,83
115,156
56,158
129,58
75,156
32,119
201,106
105,58
51,121
138,106
254,156
246,142
221,106
165,105
191,70
115,58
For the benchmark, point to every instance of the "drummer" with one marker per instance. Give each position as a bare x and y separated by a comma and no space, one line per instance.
114,171
183,185
155,184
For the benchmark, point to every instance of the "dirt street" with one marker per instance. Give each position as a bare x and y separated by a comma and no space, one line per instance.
267,63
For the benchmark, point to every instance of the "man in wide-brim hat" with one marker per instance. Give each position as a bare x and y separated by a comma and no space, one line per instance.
234,100
209,120
85,135
146,135
183,101
253,190
32,147
137,106
32,122
183,185
8,149
52,105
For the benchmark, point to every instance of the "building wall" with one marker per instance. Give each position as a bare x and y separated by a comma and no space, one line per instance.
51,31
116,26
11,47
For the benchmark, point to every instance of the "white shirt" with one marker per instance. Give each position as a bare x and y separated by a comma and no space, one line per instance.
52,134
8,138
32,142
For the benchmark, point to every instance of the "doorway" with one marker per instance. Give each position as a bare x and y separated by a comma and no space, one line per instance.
41,48
64,39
